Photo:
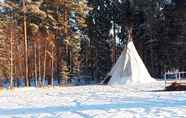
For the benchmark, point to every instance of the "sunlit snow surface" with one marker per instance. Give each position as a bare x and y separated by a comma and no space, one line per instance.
135,101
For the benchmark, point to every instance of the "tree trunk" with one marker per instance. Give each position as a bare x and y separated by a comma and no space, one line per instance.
52,70
114,55
35,62
26,46
44,71
39,62
11,57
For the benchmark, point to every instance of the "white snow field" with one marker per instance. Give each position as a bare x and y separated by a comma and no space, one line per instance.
93,102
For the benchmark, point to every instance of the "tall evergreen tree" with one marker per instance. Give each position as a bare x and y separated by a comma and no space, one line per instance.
97,61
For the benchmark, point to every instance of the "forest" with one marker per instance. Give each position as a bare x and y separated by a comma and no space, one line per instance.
56,42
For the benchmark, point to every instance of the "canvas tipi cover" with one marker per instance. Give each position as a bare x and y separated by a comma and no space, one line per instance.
129,68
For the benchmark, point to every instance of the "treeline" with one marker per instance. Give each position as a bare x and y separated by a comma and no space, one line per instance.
47,40
158,29
40,40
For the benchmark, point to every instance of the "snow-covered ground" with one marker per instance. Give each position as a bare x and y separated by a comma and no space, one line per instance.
135,101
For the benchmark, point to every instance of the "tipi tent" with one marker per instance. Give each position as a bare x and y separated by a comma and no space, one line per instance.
129,68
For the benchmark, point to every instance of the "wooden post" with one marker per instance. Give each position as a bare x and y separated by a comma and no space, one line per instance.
165,79
179,76
176,74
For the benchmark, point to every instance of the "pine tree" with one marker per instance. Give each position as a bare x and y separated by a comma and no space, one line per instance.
61,19
96,61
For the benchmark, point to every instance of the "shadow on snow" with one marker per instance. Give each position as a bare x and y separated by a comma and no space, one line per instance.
148,104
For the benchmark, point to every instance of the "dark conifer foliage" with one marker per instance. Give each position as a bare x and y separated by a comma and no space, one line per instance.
158,31
98,57
65,39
